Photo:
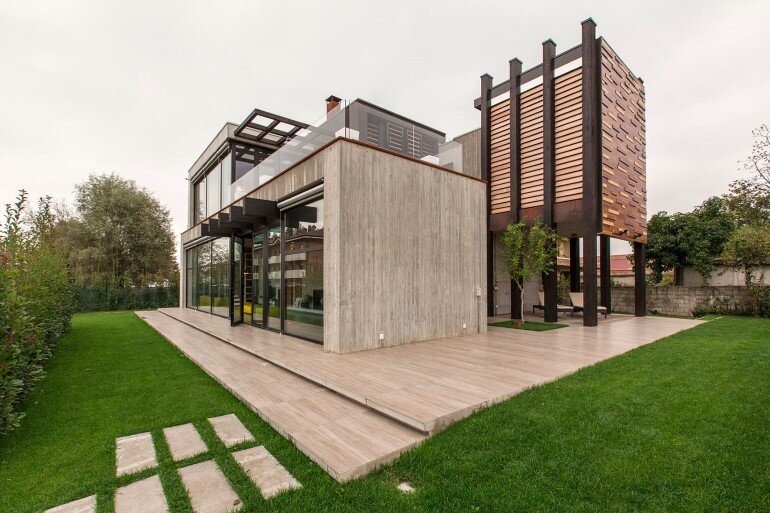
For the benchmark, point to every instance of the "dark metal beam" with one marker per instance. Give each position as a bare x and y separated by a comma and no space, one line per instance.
260,207
640,280
591,163
514,67
605,275
574,264
486,150
550,280
236,214
536,72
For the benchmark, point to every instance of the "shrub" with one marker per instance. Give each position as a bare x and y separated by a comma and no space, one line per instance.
35,302
98,299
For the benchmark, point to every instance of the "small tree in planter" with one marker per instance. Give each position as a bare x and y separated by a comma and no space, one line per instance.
529,252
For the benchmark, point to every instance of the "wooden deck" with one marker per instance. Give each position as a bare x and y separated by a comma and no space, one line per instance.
345,438
424,386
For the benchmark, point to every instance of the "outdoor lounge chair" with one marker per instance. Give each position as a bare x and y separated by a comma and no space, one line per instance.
559,308
577,301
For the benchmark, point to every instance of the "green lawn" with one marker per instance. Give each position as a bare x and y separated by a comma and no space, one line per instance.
681,425
529,325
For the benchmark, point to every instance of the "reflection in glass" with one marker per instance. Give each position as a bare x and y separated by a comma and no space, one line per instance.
237,276
213,181
257,287
220,276
273,299
303,270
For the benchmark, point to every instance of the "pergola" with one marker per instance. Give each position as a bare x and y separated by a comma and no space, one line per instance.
571,151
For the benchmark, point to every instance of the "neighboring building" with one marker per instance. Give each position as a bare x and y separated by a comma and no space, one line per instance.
358,231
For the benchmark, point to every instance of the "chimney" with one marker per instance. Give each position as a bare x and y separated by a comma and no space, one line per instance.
332,102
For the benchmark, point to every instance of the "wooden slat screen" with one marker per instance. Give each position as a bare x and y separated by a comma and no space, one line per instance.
532,147
500,161
624,186
569,136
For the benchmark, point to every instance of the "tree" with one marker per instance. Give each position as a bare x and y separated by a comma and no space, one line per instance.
529,252
748,202
759,161
693,238
120,236
747,250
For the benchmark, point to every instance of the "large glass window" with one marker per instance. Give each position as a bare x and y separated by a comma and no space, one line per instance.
199,202
274,278
220,276
303,270
213,184
208,276
257,288
226,177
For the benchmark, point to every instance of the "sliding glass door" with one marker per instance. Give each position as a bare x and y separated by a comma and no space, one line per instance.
303,271
273,272
236,312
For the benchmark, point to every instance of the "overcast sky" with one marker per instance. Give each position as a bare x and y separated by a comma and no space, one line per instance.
140,88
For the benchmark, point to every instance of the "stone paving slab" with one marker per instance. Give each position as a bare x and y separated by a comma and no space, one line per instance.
230,430
209,489
145,496
265,472
134,453
184,442
84,505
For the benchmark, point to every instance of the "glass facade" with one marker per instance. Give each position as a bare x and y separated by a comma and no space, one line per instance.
278,274
273,299
303,270
208,277
212,191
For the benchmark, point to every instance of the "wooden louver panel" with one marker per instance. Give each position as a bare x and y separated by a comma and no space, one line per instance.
532,147
624,186
569,136
500,158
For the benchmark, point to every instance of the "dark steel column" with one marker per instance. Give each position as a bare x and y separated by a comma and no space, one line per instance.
515,162
550,280
486,172
605,270
591,163
640,280
574,264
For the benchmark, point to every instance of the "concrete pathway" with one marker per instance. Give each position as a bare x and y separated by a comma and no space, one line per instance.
209,489
265,471
85,505
184,442
134,453
145,496
230,430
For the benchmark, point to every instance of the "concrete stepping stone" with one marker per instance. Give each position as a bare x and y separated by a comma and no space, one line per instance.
134,453
265,472
230,430
84,505
145,496
209,489
184,442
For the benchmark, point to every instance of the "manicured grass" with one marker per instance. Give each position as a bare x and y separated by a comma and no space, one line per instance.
681,424
530,326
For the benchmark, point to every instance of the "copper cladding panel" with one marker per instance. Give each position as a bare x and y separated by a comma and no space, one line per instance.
624,185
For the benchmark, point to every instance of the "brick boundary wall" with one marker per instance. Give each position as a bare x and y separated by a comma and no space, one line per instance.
680,301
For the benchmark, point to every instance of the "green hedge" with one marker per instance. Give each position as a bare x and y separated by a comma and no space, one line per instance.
36,303
99,299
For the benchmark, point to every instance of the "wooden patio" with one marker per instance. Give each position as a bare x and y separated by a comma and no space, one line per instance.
387,400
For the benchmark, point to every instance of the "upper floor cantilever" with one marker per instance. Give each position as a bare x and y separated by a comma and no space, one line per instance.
243,157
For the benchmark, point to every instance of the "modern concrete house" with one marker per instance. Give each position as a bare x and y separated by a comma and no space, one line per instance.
367,229
358,231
